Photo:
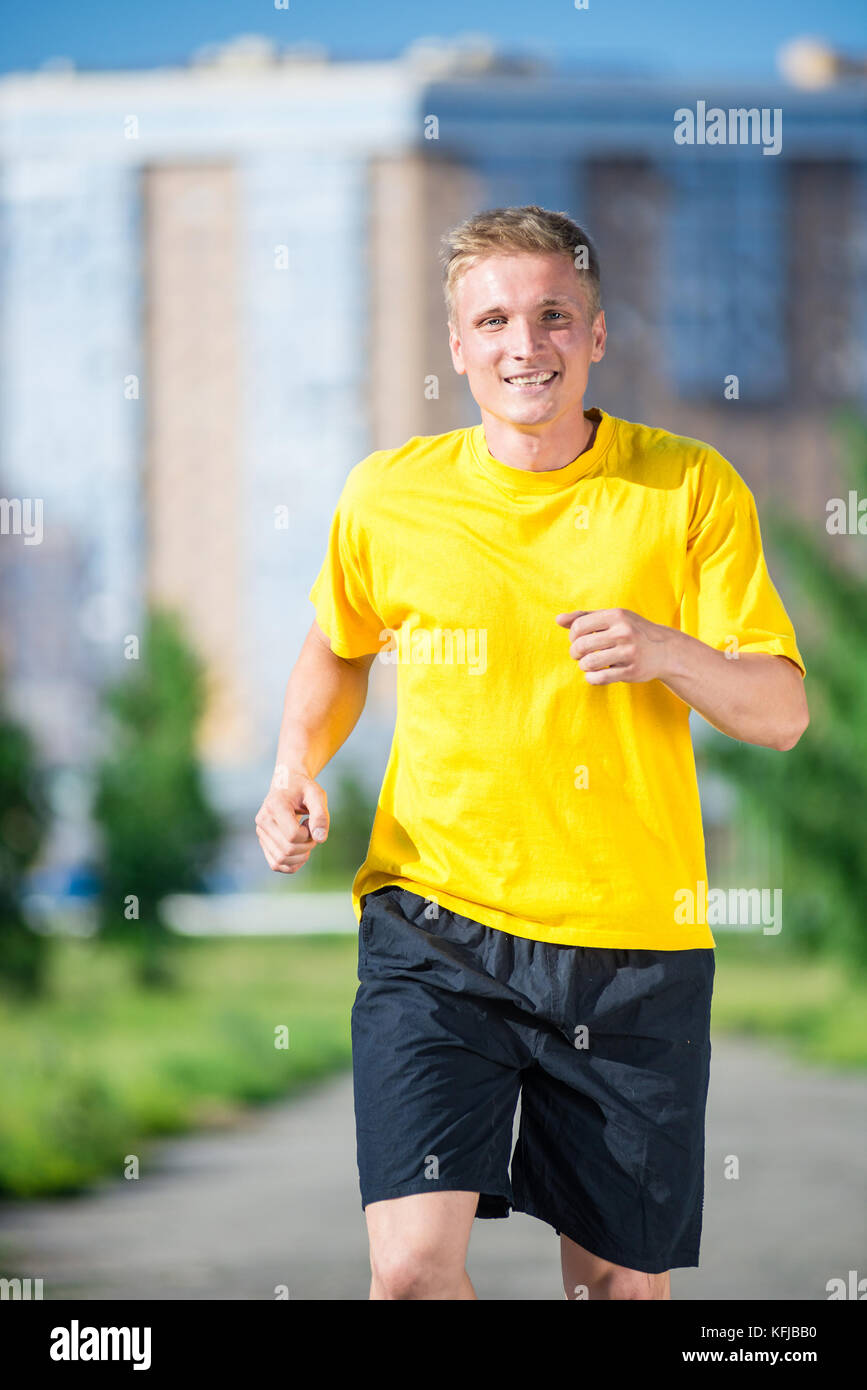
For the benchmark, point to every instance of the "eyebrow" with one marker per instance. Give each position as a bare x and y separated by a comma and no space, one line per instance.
540,304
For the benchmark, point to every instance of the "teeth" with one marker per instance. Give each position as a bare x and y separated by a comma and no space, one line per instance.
531,380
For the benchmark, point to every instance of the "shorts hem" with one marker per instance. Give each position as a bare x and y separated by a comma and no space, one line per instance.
604,1249
419,1185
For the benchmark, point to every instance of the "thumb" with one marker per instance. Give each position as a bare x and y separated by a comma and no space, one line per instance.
317,822
567,619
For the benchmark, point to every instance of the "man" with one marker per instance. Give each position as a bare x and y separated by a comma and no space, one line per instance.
558,587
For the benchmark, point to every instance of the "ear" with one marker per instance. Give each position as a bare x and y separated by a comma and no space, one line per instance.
600,337
456,351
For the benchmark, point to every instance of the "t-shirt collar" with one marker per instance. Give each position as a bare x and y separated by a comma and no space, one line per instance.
551,480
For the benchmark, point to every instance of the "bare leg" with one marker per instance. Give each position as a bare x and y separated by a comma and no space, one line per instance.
587,1276
418,1245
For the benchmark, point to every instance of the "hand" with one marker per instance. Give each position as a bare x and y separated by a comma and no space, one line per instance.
286,842
615,644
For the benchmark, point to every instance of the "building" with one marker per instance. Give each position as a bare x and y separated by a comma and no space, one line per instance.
219,290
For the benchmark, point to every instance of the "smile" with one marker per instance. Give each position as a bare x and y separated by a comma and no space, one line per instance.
531,382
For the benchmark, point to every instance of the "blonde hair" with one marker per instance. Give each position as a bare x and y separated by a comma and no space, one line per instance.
527,228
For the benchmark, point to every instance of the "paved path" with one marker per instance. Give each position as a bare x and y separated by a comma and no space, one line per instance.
231,1214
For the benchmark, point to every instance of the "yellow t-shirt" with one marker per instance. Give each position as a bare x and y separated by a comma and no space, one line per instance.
515,793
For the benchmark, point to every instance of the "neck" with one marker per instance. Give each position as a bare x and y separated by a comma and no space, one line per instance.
539,448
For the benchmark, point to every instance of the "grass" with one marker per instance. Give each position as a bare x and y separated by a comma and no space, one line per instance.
816,1006
99,1067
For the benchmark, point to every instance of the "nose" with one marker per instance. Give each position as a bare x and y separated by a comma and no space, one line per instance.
523,338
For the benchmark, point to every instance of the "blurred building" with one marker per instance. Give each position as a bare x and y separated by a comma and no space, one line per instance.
219,290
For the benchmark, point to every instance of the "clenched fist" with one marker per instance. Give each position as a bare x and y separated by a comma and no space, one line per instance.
286,841
615,644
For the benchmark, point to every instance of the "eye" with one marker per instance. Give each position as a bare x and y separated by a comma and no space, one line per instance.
554,311
485,322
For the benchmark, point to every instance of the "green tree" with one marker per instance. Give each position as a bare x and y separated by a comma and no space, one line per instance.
158,832
24,816
815,795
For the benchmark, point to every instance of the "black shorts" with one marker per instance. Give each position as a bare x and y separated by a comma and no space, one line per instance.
609,1049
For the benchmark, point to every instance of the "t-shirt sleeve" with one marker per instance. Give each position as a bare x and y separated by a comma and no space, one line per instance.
729,599
342,591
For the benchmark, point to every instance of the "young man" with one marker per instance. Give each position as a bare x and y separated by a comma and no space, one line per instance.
558,588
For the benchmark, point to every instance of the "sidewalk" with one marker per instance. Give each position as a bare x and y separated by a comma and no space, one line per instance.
232,1214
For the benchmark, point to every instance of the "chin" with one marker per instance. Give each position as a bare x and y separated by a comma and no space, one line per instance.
530,413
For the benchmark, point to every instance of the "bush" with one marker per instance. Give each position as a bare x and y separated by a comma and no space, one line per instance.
814,795
158,833
24,815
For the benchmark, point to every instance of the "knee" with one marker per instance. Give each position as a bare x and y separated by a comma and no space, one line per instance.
619,1283
412,1272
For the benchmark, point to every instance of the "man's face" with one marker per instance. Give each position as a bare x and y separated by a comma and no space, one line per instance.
522,336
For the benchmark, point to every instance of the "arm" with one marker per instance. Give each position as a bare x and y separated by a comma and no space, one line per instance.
756,697
325,696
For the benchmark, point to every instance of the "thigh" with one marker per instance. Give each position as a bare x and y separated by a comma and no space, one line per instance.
418,1246
428,1225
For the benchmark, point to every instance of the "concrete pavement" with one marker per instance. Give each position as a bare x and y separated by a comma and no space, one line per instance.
233,1213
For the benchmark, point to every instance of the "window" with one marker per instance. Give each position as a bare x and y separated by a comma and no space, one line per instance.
724,255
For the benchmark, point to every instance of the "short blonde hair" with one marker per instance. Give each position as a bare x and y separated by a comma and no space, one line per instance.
527,228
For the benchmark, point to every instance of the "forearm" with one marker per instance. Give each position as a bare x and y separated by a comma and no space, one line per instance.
754,696
325,696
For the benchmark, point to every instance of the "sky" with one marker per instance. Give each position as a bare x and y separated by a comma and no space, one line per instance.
681,38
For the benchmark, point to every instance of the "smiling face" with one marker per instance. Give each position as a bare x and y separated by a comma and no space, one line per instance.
523,339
